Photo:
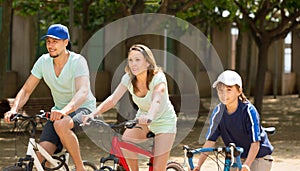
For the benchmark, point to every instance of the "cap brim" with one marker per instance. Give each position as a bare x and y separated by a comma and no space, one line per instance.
45,36
215,84
226,83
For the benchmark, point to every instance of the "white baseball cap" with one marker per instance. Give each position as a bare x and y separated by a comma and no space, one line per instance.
229,78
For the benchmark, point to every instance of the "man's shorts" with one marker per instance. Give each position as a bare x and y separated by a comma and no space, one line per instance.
49,134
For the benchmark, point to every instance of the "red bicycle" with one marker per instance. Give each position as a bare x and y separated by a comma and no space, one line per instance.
116,160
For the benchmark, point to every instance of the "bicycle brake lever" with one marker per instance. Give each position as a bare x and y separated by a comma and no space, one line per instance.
232,148
14,117
131,124
137,127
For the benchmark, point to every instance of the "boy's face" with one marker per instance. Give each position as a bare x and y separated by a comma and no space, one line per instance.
228,94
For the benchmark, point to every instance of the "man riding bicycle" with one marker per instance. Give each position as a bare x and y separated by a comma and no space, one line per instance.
67,75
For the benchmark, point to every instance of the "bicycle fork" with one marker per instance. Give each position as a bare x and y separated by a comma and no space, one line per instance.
227,162
111,157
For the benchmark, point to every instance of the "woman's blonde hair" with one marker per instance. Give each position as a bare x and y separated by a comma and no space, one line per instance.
152,68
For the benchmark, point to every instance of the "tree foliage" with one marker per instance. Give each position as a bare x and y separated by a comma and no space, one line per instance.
91,15
266,20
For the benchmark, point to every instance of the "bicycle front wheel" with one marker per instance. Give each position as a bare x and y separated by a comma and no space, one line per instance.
172,165
60,162
14,168
89,166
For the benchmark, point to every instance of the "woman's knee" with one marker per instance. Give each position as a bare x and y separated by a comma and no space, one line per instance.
159,165
135,135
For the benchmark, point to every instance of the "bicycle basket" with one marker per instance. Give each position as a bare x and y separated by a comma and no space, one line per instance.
101,135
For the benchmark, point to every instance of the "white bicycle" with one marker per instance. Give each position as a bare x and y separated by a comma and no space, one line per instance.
30,161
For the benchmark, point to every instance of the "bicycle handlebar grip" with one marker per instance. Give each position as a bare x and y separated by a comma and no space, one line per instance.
148,121
236,152
45,115
150,134
14,117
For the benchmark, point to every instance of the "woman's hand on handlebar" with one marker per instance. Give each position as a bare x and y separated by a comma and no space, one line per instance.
86,118
144,120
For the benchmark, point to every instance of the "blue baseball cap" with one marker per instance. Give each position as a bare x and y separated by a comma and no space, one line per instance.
57,31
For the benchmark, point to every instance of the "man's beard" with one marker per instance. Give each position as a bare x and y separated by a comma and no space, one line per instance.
55,56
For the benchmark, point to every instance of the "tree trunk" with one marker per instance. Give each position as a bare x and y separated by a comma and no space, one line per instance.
249,68
238,51
4,43
260,76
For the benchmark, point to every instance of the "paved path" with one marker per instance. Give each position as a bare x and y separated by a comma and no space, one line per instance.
283,113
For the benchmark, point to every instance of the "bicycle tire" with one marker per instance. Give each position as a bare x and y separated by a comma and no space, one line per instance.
30,128
26,128
89,166
172,165
61,163
121,168
14,168
106,168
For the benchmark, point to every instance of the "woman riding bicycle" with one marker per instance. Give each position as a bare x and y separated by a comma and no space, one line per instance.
148,86
236,120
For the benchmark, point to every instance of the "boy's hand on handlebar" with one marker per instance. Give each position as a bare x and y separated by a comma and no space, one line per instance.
245,169
196,168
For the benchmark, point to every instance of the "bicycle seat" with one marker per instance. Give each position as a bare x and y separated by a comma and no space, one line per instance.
269,130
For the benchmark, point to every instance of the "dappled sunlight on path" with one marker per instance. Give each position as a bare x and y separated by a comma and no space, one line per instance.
282,112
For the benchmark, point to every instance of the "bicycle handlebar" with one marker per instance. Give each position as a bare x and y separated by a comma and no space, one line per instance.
126,124
41,115
235,152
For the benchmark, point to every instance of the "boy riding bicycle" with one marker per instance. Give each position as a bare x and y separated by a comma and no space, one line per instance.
237,121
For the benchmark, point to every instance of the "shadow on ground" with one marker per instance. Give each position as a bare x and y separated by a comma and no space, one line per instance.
282,112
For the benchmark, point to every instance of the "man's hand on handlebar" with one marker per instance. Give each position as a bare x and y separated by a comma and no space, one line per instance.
8,115
56,115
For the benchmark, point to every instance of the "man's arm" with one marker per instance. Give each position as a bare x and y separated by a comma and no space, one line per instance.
22,96
82,86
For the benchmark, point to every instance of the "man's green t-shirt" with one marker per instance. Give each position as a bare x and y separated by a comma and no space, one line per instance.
63,87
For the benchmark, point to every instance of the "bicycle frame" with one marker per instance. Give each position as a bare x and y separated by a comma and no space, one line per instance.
31,151
116,150
33,147
232,155
116,153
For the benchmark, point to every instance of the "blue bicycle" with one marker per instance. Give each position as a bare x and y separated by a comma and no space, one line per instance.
231,155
